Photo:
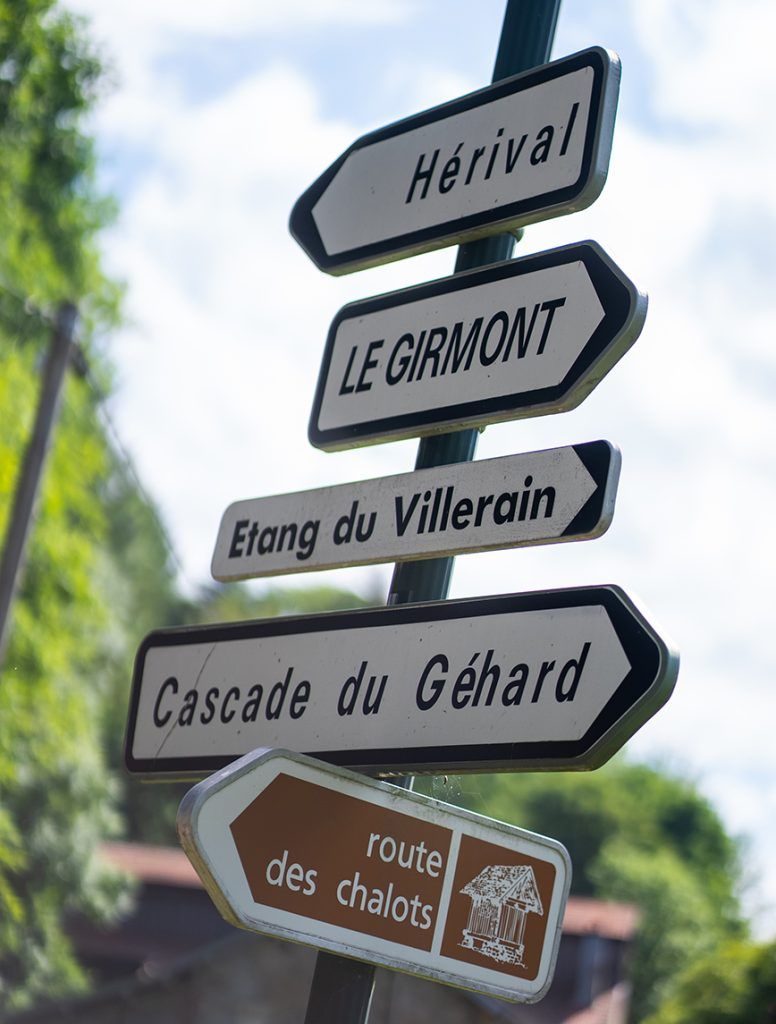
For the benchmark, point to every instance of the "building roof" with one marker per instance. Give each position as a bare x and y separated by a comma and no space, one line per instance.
586,916
154,865
168,865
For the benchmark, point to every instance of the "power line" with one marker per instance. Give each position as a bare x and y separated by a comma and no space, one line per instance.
61,324
83,369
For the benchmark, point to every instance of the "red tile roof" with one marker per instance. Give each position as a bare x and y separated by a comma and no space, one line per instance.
611,1007
167,865
155,865
600,917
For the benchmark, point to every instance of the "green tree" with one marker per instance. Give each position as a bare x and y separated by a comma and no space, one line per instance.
55,793
98,573
50,211
735,984
56,796
234,602
642,835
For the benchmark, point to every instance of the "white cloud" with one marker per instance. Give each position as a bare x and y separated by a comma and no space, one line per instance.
228,317
713,64
133,38
232,18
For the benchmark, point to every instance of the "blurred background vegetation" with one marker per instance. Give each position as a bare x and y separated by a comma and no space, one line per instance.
100,574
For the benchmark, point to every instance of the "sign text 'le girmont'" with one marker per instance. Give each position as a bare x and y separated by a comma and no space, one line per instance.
521,338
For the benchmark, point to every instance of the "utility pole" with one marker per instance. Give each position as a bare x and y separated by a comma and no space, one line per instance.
12,560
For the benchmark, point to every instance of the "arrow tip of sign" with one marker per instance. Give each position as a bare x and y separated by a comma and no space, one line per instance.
658,692
187,818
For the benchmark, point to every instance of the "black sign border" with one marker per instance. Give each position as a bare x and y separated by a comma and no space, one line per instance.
624,314
602,461
584,191
644,690
600,458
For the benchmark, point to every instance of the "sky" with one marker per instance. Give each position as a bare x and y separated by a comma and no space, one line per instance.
213,121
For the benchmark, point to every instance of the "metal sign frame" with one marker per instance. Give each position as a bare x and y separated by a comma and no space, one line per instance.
210,845
643,689
460,227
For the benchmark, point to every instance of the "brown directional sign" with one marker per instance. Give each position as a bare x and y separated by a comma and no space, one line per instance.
290,847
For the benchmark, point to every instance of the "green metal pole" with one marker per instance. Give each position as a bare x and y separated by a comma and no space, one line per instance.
526,41
341,990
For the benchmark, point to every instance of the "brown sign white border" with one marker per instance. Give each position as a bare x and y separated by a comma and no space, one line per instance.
208,810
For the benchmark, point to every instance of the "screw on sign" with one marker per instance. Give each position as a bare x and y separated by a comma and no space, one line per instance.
290,847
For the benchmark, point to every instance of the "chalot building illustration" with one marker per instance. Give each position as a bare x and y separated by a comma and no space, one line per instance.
502,898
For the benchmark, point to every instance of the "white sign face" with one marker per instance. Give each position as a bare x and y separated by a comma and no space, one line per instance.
290,847
552,679
558,495
520,338
524,149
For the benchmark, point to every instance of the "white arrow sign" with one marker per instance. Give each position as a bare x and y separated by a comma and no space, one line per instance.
524,149
562,494
546,680
290,847
521,338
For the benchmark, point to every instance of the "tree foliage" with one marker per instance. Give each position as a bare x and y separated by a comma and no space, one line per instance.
50,212
56,798
641,835
735,984
55,794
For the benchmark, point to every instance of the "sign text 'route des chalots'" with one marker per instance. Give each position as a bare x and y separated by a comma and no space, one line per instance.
293,848
545,680
520,338
523,149
562,494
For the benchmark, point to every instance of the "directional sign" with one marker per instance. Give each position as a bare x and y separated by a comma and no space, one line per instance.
557,495
555,679
290,847
521,338
524,149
